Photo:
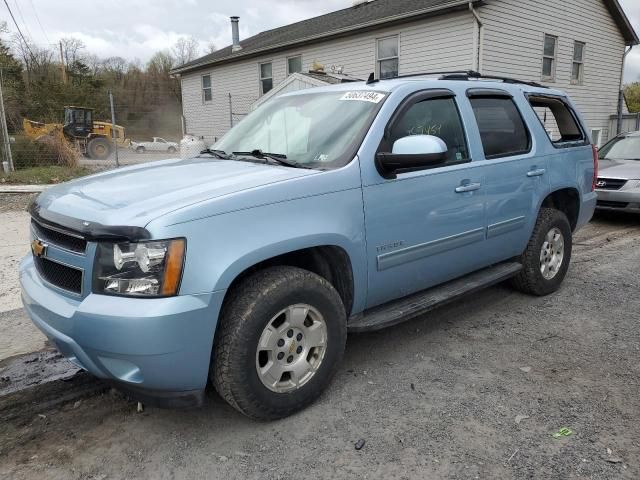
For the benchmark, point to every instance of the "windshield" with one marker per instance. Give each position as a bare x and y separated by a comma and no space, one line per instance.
318,130
623,148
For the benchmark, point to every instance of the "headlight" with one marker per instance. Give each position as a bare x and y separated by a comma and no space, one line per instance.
148,269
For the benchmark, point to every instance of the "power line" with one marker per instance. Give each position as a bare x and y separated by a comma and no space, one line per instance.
39,23
19,31
26,26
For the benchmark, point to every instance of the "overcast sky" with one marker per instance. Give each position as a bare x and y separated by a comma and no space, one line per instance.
138,28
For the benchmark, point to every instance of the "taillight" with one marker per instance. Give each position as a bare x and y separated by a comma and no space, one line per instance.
595,167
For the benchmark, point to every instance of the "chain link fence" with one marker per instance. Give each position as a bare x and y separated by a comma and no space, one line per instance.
72,140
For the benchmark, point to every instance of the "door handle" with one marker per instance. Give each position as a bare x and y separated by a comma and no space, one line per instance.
536,173
468,187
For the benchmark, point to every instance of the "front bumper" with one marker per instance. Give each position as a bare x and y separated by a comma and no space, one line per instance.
626,199
154,348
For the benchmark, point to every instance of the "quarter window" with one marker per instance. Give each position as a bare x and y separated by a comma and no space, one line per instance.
558,119
549,57
438,117
577,71
502,129
388,57
294,65
206,88
266,77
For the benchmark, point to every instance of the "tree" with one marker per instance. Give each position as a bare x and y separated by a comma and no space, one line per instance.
185,50
72,50
211,47
632,96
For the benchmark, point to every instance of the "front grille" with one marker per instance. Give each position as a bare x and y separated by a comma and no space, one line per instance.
608,204
610,183
66,241
58,275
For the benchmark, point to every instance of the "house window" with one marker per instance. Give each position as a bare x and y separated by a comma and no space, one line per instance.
388,57
206,88
577,72
266,77
294,64
549,57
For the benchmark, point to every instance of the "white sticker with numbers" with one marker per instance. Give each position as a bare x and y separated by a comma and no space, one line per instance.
373,97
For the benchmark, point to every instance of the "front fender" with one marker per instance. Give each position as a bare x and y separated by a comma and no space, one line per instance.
221,247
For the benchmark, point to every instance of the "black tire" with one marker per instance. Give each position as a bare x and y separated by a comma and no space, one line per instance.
531,280
99,148
172,150
140,149
251,306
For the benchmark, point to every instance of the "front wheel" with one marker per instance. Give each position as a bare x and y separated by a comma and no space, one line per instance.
172,150
281,338
548,254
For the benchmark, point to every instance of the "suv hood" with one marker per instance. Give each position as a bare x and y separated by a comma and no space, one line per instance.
134,196
625,169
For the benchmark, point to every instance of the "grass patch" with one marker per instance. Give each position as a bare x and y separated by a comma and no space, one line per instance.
43,175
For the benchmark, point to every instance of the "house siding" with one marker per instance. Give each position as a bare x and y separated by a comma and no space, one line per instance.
441,43
513,44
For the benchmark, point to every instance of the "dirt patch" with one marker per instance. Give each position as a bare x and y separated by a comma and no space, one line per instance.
19,335
473,390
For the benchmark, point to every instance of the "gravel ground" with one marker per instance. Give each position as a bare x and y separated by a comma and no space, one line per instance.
19,336
473,390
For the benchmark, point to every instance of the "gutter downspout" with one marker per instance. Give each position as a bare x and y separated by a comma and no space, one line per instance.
621,94
477,62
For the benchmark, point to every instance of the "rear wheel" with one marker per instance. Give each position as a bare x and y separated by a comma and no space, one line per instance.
172,150
99,148
281,338
548,254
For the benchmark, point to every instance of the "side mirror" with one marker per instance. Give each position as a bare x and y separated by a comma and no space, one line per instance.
413,152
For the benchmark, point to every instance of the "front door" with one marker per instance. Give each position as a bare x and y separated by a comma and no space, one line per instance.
424,227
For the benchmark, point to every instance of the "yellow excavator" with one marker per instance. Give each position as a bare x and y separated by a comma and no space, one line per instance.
93,138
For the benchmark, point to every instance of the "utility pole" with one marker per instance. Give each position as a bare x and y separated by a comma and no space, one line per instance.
3,120
113,128
64,68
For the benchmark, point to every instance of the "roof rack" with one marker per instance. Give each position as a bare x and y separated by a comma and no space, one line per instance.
463,75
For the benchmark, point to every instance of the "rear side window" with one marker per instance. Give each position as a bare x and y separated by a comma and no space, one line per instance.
501,126
559,121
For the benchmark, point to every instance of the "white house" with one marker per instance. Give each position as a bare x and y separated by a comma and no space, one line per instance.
574,45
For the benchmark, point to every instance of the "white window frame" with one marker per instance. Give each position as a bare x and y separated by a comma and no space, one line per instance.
209,88
597,141
380,59
554,58
289,72
261,78
580,79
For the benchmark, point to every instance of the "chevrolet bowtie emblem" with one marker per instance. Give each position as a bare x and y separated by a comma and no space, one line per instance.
38,248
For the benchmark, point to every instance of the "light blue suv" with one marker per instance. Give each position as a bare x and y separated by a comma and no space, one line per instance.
347,208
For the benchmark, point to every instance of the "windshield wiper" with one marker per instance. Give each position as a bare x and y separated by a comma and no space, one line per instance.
275,157
216,153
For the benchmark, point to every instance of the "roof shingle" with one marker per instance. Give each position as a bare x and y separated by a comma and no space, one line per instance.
348,19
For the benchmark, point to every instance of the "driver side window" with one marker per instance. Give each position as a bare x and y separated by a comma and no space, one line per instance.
438,117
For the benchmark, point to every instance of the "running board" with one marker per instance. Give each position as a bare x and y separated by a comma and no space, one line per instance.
417,304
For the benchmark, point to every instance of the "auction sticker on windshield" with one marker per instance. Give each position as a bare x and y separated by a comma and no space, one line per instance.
373,97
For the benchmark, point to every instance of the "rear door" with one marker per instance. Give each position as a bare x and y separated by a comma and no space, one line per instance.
516,177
